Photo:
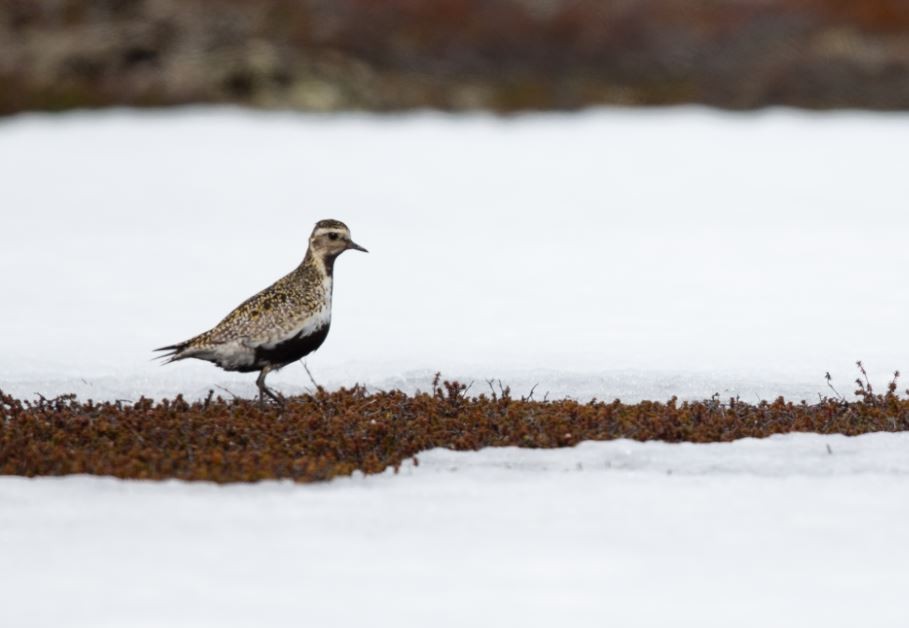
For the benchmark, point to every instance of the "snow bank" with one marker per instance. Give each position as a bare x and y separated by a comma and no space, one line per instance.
614,253
800,530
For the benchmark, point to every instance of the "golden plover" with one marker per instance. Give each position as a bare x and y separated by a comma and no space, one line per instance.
283,323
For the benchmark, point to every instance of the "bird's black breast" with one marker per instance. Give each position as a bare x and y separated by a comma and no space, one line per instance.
290,350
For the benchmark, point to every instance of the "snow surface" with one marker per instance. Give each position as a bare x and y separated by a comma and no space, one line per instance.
800,530
614,253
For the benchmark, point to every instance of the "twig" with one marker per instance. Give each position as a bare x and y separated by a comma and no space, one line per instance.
530,394
311,378
892,386
830,385
864,374
227,391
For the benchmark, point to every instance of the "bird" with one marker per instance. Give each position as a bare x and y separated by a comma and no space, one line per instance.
281,324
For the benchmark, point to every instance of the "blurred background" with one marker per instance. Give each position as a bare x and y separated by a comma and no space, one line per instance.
500,55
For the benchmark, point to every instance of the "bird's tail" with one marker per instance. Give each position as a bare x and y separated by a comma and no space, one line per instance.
172,353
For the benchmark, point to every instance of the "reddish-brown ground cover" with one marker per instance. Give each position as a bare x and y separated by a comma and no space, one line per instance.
317,437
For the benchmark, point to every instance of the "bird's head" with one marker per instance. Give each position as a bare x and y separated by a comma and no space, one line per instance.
330,238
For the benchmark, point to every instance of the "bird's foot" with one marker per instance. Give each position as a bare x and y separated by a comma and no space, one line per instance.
277,397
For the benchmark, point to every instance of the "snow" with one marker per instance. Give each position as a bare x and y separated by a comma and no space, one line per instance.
781,532
613,253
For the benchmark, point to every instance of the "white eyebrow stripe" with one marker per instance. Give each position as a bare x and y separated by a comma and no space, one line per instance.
324,230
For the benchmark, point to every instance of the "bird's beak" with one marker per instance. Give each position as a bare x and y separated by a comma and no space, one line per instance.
353,245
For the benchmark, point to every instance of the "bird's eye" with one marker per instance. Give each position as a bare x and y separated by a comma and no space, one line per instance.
332,236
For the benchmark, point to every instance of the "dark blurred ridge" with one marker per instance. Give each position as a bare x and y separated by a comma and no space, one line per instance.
503,55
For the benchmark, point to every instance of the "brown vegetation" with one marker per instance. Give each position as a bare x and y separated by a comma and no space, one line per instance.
504,55
319,436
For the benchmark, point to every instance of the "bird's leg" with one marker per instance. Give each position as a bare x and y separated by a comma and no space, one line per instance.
265,390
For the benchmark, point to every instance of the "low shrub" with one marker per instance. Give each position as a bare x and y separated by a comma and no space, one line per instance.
322,435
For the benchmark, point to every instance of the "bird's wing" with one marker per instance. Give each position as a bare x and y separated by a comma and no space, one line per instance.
280,312
257,318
